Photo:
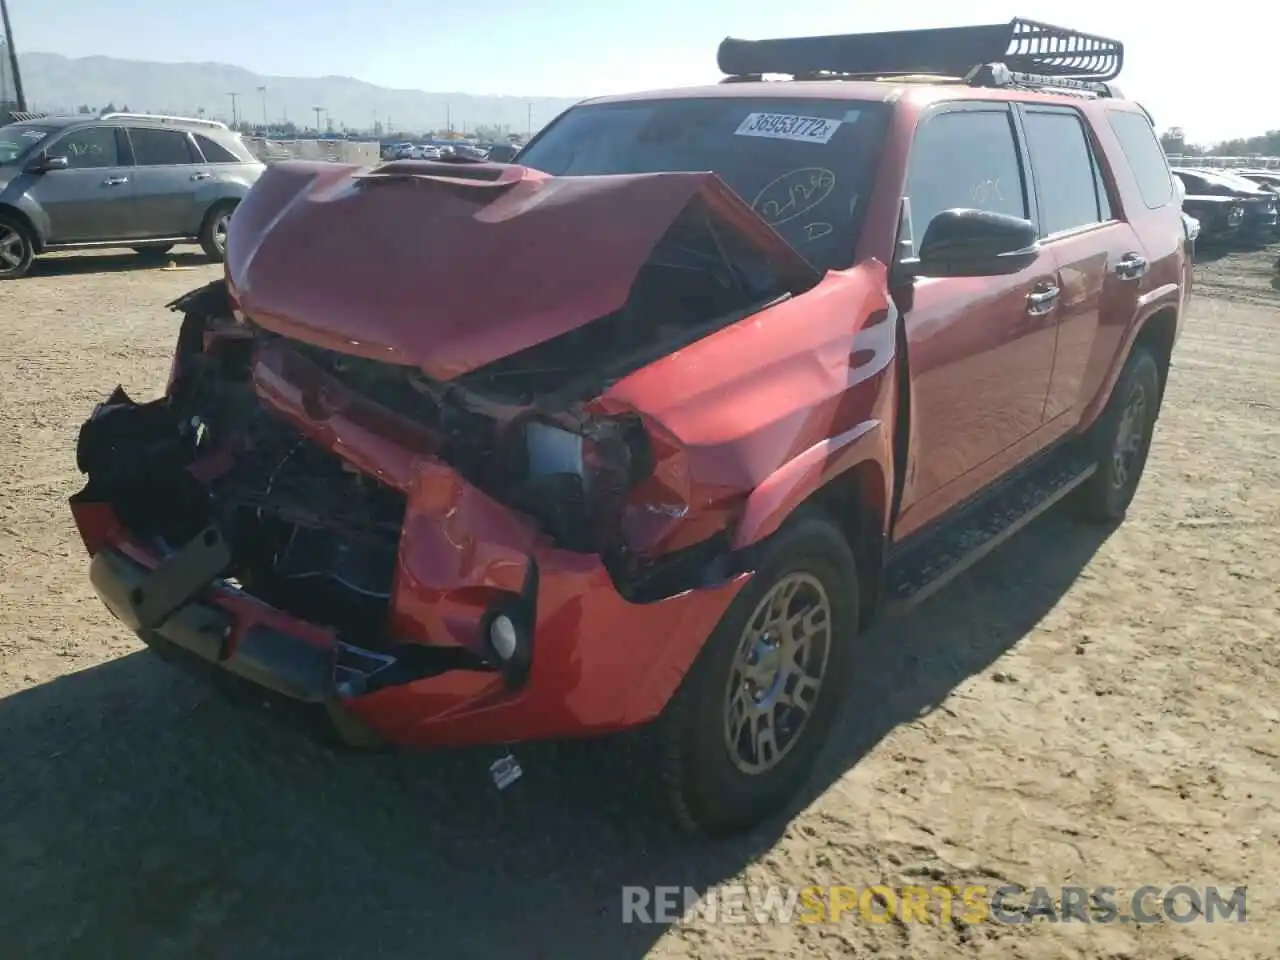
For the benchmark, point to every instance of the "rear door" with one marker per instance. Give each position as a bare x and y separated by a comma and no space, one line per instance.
981,348
168,173
90,200
1099,260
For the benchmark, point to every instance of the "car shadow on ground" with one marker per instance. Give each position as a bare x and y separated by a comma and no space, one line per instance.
142,815
116,261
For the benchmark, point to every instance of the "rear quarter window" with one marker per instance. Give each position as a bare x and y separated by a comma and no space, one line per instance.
215,152
1145,157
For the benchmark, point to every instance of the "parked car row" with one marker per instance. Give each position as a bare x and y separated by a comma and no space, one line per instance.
1230,205
118,180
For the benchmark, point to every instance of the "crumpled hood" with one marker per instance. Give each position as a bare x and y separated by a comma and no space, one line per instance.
447,267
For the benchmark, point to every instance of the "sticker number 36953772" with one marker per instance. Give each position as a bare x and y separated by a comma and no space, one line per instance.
781,126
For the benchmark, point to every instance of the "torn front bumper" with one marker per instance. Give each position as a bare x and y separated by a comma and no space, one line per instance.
599,662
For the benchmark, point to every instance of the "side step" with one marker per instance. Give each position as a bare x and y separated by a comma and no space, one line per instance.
925,564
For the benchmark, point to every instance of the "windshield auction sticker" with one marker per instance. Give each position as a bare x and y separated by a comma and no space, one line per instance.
781,126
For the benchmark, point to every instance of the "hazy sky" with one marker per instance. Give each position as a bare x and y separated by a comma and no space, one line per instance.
1211,75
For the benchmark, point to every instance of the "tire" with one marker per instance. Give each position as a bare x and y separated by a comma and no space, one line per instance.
1121,440
153,253
705,788
213,232
17,249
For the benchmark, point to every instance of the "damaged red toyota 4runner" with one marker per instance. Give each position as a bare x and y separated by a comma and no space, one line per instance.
644,428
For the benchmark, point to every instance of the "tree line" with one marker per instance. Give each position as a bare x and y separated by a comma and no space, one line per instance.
1266,144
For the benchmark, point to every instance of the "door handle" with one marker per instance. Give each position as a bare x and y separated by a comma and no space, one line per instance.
201,176
114,181
1040,300
1131,266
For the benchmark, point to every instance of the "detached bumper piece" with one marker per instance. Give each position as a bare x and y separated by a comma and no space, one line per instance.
163,608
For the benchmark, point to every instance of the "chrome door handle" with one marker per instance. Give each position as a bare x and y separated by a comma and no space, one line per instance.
1041,300
114,181
1131,266
201,176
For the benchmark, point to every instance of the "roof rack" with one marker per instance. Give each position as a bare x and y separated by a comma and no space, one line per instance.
1018,53
164,118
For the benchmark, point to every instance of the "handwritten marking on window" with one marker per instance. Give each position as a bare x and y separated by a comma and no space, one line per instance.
986,192
816,231
794,193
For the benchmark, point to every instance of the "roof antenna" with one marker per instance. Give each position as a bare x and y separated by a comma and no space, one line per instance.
13,58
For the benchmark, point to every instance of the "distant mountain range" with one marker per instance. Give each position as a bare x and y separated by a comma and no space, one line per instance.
55,83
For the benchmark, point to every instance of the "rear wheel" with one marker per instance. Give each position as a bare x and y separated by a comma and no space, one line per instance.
1121,440
742,733
213,232
17,249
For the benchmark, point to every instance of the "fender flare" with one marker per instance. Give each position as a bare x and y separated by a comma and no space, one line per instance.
1163,298
800,477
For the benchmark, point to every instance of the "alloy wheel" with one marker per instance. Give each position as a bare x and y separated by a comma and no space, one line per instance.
220,227
777,673
1126,453
13,249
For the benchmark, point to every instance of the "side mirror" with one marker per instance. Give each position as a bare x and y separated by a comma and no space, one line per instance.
43,164
502,153
973,243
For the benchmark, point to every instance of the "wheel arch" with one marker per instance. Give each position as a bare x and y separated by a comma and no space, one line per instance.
1158,331
217,201
849,479
25,219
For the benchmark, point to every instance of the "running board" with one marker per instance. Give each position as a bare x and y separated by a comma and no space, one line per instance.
924,567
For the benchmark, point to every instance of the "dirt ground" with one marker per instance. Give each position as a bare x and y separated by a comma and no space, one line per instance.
1083,708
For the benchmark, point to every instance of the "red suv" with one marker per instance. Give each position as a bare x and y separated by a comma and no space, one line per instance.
652,422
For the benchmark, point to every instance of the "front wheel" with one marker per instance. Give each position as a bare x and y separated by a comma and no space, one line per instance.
743,731
17,249
213,232
1121,440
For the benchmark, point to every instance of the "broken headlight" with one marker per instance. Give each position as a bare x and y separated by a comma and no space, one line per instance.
574,478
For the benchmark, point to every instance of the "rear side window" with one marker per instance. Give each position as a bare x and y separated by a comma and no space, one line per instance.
966,159
154,148
214,152
1066,183
1142,150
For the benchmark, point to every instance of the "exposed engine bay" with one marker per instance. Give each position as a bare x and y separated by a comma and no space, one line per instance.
315,535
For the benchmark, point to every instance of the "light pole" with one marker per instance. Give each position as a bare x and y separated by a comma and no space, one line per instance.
18,96
318,110
235,113
262,92
529,116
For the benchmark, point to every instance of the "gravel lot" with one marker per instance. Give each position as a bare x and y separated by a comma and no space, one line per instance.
1083,708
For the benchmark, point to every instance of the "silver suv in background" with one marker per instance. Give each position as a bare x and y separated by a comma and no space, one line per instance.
118,180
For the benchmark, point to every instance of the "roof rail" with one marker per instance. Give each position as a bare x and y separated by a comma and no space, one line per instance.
1021,52
164,118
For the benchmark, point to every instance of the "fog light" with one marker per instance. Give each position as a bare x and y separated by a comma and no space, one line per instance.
503,637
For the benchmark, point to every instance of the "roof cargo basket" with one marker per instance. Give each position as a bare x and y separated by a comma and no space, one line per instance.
1042,52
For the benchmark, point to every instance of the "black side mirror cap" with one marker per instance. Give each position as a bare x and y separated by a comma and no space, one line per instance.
973,243
43,164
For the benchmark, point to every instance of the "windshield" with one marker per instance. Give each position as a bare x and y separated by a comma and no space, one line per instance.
804,165
16,139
